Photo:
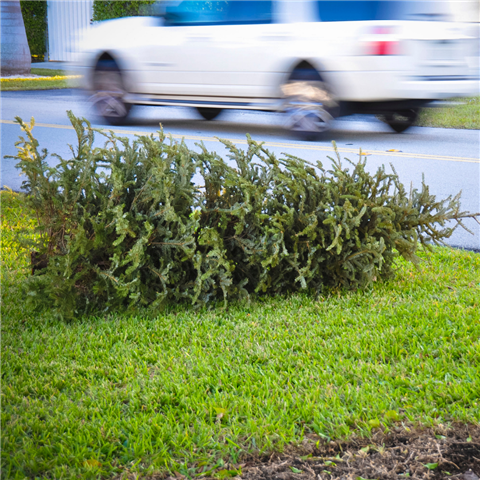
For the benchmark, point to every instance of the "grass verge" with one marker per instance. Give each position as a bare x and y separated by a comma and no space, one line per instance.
465,114
58,81
188,391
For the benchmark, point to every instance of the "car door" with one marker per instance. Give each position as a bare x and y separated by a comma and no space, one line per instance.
173,50
246,52
169,58
247,62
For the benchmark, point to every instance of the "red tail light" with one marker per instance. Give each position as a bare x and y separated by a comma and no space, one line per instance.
382,41
383,47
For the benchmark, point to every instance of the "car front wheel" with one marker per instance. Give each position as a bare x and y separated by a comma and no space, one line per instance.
401,120
109,96
309,107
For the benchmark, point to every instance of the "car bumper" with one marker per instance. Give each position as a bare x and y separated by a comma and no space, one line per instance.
381,85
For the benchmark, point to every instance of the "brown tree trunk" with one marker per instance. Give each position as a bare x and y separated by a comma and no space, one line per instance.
15,53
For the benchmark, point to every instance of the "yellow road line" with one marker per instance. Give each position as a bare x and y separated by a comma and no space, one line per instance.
304,146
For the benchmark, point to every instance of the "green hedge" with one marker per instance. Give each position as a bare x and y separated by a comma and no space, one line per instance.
35,20
105,10
139,232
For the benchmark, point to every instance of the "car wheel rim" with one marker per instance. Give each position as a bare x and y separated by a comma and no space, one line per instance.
109,99
401,120
109,105
308,106
302,119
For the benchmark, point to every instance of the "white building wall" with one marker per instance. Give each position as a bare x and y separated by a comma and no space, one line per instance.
67,20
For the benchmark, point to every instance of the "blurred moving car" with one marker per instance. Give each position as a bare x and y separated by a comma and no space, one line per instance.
312,59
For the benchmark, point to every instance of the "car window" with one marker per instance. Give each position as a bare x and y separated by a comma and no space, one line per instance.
232,12
359,10
250,11
195,13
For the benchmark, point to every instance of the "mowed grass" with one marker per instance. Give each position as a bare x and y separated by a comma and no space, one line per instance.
57,81
464,114
194,391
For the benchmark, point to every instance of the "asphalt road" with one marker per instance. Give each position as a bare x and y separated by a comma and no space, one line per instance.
448,158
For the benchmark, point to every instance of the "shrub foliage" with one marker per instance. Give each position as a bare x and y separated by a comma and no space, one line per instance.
108,9
35,20
124,224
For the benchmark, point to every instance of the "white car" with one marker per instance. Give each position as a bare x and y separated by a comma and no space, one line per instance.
313,60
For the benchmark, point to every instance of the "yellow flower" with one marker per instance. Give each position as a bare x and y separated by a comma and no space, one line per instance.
39,79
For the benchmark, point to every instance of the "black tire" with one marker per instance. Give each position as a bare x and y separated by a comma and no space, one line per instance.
110,92
401,120
209,113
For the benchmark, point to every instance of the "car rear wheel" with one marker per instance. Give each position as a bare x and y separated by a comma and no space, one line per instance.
109,96
310,108
209,113
401,120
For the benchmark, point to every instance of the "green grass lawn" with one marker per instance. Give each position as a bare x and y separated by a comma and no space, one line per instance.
54,83
194,391
465,114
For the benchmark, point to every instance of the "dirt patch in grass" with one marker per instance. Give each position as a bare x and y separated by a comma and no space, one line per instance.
420,454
